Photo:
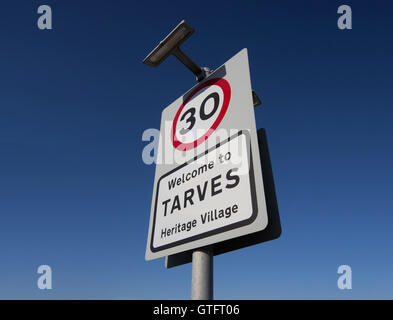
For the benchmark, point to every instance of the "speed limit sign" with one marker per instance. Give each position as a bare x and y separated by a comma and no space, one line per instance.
203,109
208,185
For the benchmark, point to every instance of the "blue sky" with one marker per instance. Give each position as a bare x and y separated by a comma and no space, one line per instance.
74,102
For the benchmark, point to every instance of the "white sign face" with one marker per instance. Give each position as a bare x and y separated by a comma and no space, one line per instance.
208,185
205,196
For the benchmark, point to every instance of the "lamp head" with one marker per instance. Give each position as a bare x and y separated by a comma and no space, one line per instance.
178,35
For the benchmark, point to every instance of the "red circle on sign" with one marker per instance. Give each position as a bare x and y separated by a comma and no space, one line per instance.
224,85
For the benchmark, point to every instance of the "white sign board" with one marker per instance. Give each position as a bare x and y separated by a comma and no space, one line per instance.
207,188
204,196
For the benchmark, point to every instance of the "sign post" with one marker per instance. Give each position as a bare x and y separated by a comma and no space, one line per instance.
202,274
209,193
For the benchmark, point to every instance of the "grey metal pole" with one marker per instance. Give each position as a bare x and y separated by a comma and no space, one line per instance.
202,274
202,258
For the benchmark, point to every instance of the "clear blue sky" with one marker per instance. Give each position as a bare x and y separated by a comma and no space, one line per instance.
74,102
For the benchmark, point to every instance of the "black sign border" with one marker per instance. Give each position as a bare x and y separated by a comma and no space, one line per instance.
218,230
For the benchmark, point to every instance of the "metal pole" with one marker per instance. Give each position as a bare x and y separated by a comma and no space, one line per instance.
202,274
189,63
202,258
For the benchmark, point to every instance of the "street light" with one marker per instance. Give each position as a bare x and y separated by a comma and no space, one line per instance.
170,45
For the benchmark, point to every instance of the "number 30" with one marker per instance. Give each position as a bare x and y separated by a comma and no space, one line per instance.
202,112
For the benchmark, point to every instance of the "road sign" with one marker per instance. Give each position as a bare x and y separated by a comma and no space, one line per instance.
208,186
217,91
